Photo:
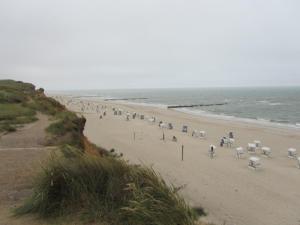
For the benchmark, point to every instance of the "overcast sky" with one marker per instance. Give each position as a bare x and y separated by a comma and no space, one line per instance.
72,44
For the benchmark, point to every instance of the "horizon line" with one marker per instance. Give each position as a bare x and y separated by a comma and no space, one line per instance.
155,88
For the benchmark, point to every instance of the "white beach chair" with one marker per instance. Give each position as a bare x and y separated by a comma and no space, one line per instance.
163,125
266,151
239,152
195,133
127,116
292,153
202,134
257,143
151,120
254,162
298,159
226,141
251,148
231,142
212,151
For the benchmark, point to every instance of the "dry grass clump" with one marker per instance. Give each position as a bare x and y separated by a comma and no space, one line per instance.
105,189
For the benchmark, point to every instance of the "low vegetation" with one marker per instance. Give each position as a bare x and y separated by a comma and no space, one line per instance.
20,102
13,113
105,189
67,129
77,182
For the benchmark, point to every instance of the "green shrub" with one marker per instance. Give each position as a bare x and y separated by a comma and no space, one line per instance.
14,114
67,129
10,96
46,105
12,111
7,128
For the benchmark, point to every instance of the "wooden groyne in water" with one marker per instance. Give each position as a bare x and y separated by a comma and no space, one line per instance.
195,105
123,99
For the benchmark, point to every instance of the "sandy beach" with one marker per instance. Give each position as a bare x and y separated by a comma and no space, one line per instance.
229,191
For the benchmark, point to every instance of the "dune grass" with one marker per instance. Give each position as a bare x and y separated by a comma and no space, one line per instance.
19,103
12,111
105,189
67,129
13,115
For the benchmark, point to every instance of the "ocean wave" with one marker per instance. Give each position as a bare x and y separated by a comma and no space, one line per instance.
266,102
259,121
275,103
263,101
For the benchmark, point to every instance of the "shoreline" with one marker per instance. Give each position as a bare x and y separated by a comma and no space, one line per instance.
264,123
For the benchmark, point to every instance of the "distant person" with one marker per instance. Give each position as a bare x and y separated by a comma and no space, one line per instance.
222,142
212,151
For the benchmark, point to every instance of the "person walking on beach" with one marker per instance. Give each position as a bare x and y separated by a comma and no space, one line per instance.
212,151
222,142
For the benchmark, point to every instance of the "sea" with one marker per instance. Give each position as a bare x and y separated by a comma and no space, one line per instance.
278,106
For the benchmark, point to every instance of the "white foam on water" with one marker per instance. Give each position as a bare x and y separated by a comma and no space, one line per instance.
258,121
275,103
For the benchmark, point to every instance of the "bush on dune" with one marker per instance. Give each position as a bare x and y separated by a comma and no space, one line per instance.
105,189
12,115
67,129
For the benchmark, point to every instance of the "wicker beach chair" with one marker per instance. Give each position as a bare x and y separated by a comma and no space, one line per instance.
251,148
292,153
266,151
184,129
239,152
254,162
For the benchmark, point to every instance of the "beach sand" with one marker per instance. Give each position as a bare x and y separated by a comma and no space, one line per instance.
230,192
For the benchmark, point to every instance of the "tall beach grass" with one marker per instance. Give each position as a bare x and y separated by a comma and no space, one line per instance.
105,189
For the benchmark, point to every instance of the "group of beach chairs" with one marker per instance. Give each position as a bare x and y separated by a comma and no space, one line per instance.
252,148
255,147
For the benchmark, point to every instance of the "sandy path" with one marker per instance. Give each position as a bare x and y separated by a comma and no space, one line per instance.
21,154
31,135
224,186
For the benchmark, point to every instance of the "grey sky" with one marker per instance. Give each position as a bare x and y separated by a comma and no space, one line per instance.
71,44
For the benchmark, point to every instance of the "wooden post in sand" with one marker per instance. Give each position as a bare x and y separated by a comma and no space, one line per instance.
163,136
133,135
182,152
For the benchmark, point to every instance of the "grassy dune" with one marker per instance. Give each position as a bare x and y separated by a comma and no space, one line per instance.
19,103
84,181
105,189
